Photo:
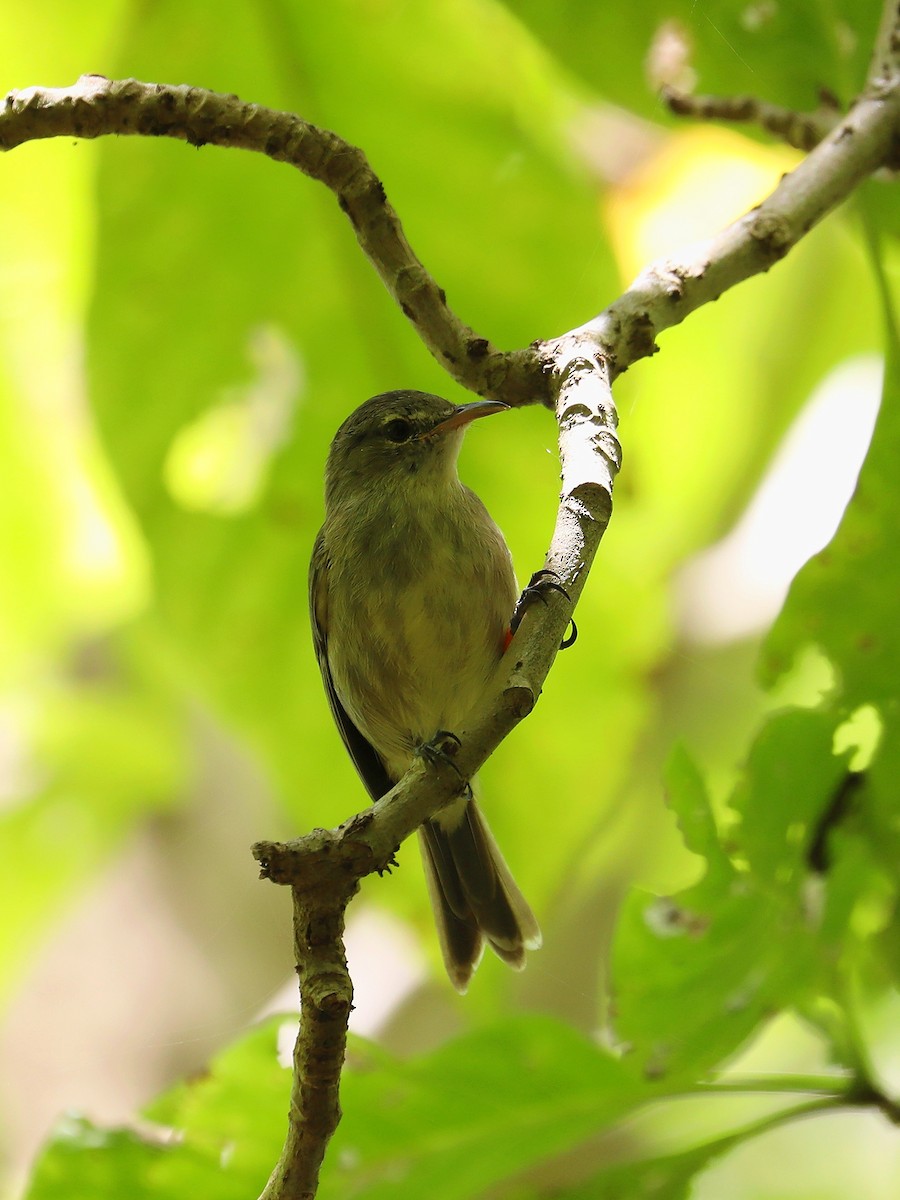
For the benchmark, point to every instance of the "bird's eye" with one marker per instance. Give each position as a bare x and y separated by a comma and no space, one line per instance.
397,430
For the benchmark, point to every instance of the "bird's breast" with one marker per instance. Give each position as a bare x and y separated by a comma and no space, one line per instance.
418,615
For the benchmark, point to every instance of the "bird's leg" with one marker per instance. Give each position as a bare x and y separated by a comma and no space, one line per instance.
536,589
442,749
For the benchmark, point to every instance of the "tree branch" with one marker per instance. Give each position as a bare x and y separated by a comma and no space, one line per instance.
321,893
96,106
803,131
667,291
885,60
662,296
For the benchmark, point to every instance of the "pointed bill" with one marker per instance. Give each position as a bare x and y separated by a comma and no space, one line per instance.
466,413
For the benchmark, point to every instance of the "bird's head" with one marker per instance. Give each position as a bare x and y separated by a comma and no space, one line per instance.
400,437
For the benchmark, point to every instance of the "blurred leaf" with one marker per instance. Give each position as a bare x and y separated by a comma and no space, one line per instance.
480,1109
790,777
687,796
71,562
666,1178
85,1161
728,424
694,974
845,601
783,53
224,1137
447,1126
875,1002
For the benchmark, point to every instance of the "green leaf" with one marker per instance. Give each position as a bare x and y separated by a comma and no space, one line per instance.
85,1161
844,600
694,974
477,1111
218,1136
791,775
448,1125
668,1177
686,792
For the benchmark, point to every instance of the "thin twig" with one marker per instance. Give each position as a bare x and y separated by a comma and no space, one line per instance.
847,1090
803,131
885,60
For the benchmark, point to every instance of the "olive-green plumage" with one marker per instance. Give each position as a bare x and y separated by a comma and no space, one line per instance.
411,594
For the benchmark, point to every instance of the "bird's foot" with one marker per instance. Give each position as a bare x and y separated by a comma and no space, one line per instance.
441,749
389,865
540,584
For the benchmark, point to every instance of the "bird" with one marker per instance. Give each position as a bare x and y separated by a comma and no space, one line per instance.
412,593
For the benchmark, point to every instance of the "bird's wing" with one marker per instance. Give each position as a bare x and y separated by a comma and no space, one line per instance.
365,757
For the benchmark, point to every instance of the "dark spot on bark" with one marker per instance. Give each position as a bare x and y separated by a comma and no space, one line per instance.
641,342
407,311
477,348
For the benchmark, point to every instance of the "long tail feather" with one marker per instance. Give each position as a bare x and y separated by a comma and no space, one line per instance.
474,895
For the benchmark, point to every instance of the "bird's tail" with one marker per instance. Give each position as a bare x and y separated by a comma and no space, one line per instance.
474,896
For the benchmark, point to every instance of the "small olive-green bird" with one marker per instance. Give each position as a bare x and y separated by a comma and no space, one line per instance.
412,592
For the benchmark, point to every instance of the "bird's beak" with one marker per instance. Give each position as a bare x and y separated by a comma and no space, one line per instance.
465,413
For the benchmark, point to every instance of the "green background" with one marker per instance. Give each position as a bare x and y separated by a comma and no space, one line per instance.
181,331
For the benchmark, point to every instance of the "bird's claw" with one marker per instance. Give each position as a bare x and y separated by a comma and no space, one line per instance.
389,865
441,749
540,583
